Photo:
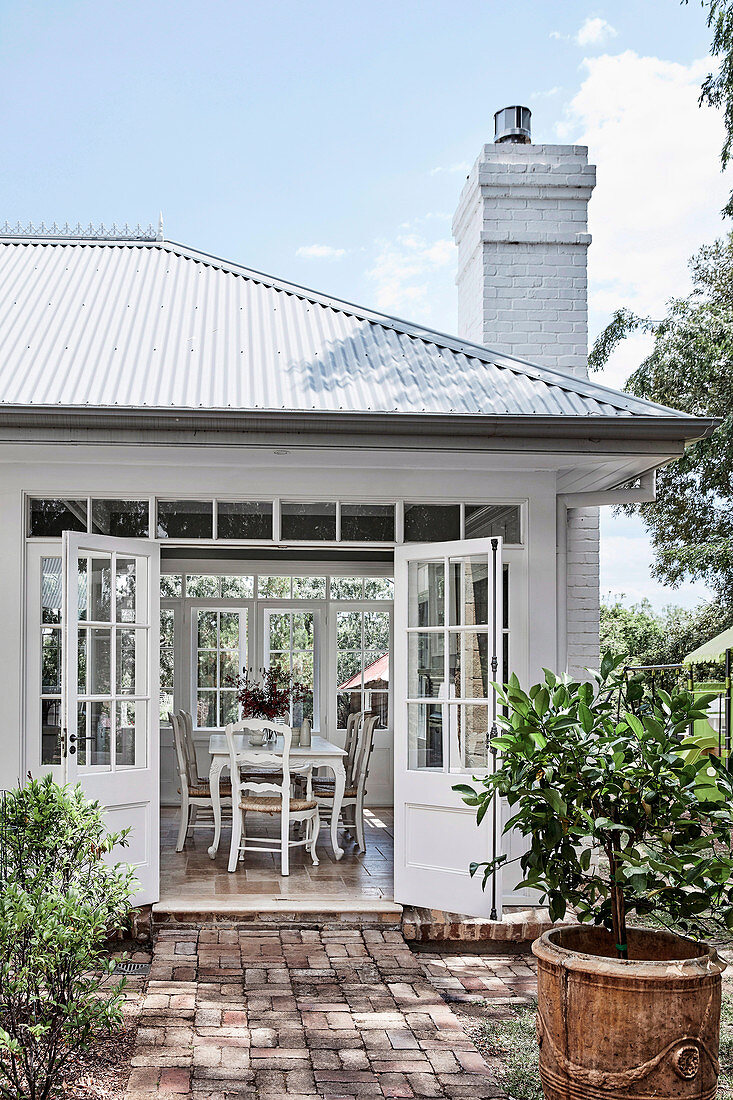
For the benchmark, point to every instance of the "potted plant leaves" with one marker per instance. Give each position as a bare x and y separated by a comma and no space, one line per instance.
624,817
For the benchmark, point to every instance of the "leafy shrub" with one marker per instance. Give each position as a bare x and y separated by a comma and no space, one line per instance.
59,902
624,812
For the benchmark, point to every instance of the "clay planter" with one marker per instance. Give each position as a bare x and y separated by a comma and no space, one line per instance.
617,1030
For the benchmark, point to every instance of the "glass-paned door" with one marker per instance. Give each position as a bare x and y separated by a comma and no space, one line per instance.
448,647
291,638
110,688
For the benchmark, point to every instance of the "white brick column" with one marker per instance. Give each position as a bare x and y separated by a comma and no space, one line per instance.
583,588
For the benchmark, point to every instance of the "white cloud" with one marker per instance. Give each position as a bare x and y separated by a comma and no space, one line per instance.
660,189
594,31
320,252
404,273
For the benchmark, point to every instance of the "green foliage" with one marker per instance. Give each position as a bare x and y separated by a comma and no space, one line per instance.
59,903
623,812
690,368
652,637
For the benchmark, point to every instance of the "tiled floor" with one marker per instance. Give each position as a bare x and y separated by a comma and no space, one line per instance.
192,876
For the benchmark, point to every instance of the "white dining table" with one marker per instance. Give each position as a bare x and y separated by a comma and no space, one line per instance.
320,754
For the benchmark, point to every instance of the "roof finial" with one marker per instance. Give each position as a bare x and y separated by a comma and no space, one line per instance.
160,227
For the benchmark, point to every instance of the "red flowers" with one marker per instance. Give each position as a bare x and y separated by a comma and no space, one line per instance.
269,697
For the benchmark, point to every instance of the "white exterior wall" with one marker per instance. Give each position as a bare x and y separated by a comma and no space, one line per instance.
521,228
253,473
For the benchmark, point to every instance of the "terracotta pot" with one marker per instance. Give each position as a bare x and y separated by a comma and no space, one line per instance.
617,1030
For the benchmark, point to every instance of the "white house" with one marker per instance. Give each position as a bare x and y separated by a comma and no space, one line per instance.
205,468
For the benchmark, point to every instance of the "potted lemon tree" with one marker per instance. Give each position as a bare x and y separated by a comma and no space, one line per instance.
626,819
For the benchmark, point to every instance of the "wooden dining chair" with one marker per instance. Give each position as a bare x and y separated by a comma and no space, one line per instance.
352,806
252,795
195,791
353,724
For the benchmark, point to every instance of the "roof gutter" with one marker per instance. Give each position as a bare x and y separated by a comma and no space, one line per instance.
372,429
644,493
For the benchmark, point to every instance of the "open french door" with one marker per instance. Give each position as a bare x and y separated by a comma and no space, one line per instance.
110,709
448,641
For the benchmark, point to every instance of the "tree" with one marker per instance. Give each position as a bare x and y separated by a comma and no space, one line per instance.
649,637
690,368
624,813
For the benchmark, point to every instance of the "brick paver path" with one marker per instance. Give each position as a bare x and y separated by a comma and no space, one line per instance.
310,1015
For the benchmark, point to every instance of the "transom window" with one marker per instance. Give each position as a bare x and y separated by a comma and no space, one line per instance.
275,521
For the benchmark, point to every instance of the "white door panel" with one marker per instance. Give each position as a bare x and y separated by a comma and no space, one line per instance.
448,638
110,699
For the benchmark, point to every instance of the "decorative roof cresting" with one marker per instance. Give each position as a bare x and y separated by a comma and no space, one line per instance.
79,232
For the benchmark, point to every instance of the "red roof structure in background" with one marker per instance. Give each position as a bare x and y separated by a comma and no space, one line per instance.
378,670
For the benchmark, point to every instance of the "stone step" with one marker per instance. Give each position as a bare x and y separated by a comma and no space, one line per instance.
344,911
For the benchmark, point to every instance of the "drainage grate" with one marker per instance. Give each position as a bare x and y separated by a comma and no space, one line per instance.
124,966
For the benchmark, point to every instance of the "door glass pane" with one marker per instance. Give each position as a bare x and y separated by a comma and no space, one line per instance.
131,674
471,673
50,660
377,702
432,522
484,520
99,739
185,519
207,668
50,518
50,731
126,590
425,665
426,593
99,660
51,597
100,588
206,709
279,630
121,518
470,726
228,707
376,630
129,734
308,522
469,596
207,636
244,519
424,736
367,523
167,663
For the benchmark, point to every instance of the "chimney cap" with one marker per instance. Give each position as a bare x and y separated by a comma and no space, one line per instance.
513,124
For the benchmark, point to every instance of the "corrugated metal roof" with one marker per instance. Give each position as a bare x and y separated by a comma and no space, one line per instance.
156,325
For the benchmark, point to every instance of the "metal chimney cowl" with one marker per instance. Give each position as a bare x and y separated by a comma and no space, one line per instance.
513,124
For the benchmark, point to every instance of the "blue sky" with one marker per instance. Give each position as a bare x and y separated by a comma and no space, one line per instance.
327,142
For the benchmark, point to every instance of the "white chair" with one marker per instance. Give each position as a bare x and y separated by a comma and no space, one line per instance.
353,800
353,724
251,796
195,792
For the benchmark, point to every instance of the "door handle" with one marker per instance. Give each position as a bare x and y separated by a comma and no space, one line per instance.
72,744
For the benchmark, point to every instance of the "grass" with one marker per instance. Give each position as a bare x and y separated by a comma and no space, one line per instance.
513,1041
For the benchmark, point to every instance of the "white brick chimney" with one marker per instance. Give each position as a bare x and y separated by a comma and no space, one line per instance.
522,233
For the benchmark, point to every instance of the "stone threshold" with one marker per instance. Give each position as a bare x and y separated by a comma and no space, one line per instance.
273,911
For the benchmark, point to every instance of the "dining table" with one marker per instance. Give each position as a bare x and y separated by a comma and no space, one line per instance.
319,754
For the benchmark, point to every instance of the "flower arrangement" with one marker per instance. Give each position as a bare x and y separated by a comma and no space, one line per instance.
271,695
